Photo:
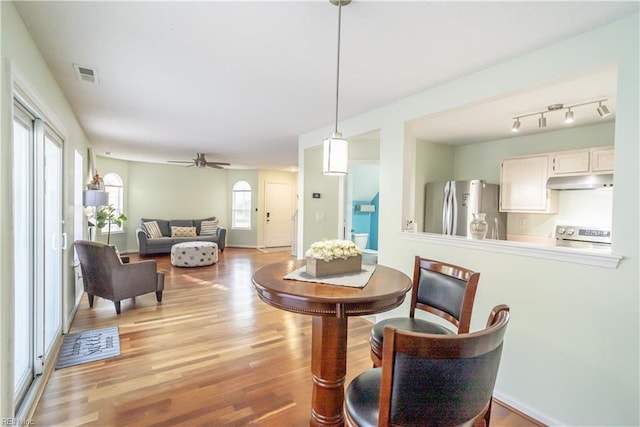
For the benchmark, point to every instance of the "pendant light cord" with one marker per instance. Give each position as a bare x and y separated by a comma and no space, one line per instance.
338,62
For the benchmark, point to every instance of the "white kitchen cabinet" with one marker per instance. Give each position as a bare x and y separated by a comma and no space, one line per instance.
523,185
570,163
581,162
602,160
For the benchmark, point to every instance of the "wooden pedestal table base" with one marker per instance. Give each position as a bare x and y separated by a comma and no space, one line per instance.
329,369
330,305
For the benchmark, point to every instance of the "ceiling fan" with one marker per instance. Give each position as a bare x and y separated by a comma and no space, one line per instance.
200,162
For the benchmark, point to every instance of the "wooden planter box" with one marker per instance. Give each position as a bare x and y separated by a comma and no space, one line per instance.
320,268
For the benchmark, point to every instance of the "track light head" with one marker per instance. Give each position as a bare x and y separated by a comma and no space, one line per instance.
568,117
516,125
602,110
542,121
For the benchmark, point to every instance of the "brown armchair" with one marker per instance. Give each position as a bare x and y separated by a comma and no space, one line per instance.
104,275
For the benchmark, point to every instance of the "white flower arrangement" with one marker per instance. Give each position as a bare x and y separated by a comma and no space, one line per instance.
329,250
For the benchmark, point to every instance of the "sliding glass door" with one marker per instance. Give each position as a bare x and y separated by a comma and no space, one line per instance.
24,277
38,242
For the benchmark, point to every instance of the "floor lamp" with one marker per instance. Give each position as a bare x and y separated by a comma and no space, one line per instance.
93,199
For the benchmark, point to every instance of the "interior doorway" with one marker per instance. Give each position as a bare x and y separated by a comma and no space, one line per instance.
362,203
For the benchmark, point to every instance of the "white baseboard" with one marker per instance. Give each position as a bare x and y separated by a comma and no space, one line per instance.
527,410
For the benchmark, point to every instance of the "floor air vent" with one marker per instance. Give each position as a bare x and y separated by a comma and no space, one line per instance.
86,74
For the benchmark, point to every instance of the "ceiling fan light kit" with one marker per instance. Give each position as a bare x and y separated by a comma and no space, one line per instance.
201,162
602,110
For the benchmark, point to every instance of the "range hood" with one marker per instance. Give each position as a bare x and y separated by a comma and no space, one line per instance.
580,182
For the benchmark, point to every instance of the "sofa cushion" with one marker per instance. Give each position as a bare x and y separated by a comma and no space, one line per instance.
198,223
162,223
208,228
152,229
183,231
180,223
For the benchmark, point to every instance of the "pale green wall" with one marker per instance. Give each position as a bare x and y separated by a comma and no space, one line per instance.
319,216
563,361
154,190
439,162
482,161
20,54
168,192
244,238
433,163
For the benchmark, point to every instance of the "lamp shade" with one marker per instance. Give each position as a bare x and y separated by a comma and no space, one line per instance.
335,155
95,198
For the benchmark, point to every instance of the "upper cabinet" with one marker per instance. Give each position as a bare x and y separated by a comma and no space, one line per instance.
523,180
581,162
569,163
523,185
602,160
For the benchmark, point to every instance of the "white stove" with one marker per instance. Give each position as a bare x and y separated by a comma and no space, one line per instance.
574,236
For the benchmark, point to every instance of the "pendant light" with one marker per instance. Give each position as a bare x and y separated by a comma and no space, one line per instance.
336,148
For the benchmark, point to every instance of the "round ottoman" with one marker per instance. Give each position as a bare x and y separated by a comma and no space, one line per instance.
194,254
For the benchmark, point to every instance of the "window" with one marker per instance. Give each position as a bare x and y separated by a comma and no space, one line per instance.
113,186
241,206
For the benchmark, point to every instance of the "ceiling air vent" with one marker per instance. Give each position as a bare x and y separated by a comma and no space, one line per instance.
86,74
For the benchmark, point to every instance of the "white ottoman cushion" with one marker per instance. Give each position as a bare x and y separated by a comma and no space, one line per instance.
194,254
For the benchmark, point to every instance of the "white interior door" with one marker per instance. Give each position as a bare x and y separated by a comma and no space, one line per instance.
278,214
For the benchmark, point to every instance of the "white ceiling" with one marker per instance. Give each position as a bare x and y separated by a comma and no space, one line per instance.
241,80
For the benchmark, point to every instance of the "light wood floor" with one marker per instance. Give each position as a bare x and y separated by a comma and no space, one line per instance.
211,354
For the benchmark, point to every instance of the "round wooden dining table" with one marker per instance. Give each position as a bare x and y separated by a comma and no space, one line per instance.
330,306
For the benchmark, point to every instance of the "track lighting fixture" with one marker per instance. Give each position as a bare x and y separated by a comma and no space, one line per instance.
602,110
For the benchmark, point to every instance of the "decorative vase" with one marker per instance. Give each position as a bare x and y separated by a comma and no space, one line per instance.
478,226
320,268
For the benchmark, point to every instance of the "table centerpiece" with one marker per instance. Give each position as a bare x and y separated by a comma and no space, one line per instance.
333,257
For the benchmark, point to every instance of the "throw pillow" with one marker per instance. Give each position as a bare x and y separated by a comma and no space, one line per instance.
209,228
183,231
152,229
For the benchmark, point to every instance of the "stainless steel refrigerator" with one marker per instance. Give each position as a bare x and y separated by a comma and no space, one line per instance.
449,206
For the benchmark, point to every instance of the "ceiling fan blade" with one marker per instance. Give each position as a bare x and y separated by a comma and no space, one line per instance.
200,161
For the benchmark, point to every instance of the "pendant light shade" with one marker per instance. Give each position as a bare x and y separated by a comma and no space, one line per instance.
335,155
335,149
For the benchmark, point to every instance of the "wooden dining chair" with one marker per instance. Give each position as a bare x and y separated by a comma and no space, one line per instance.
430,379
442,289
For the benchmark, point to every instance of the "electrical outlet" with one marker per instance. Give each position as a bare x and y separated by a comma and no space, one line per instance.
523,223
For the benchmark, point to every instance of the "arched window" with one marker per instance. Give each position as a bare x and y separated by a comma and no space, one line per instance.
113,186
241,206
